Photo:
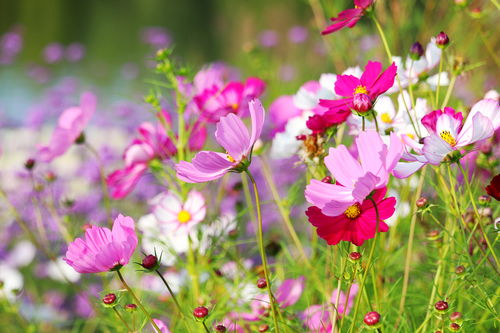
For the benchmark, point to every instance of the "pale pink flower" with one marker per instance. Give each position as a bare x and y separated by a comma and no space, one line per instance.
171,212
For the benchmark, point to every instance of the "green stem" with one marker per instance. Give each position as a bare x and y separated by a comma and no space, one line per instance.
122,320
375,120
205,326
171,293
260,239
448,92
120,276
368,264
439,77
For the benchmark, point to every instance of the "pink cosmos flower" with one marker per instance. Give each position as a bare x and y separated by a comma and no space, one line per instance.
233,136
360,93
357,223
169,210
355,180
161,325
103,250
349,17
70,126
447,134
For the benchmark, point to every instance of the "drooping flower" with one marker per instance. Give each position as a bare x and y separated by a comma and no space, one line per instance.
70,126
447,134
103,250
233,136
170,210
357,223
355,179
360,93
349,17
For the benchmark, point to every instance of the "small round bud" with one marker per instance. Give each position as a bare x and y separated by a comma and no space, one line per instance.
150,262
459,270
301,137
80,139
442,39
355,256
416,51
454,327
372,318
433,235
30,164
50,177
200,312
456,316
220,328
441,306
327,179
485,211
484,199
109,299
263,328
131,307
261,283
422,202
362,102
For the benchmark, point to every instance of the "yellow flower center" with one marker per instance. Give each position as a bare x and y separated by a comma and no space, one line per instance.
386,118
234,106
446,136
230,158
360,90
353,211
411,135
184,216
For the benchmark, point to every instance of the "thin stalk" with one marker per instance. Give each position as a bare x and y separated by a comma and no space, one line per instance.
146,313
171,293
337,299
448,92
104,184
193,272
122,319
344,313
439,77
368,264
260,239
375,121
363,124
411,237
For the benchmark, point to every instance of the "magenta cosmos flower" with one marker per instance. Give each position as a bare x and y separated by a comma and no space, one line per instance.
447,134
360,93
233,136
172,213
103,250
357,223
70,126
349,17
355,180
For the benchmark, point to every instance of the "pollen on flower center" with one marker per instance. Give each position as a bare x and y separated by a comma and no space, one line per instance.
353,211
446,136
386,118
234,106
184,216
360,90
230,158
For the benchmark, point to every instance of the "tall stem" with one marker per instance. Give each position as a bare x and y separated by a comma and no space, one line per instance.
122,320
171,293
104,184
260,239
120,276
368,264
439,77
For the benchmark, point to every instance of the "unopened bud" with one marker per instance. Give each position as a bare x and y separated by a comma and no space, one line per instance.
416,51
109,299
261,283
327,179
200,312
372,318
442,39
362,102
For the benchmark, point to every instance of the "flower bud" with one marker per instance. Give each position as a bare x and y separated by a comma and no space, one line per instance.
80,139
131,307
50,177
442,39
301,137
263,328
441,306
484,200
327,179
416,51
456,316
150,262
200,312
362,102
220,328
109,299
461,3
261,283
459,270
454,327
433,235
422,202
372,318
30,164
354,256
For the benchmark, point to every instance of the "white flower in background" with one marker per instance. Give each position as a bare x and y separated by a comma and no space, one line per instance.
180,216
492,94
59,270
403,209
413,70
21,255
285,144
12,282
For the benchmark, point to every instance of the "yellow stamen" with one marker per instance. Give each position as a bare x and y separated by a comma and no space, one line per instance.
386,118
230,158
234,106
184,216
360,90
446,136
353,211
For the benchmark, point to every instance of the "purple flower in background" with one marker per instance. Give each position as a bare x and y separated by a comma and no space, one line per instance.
11,44
53,53
298,34
268,38
75,52
157,37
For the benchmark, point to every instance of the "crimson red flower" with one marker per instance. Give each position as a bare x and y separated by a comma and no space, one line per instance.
349,17
360,93
493,188
357,223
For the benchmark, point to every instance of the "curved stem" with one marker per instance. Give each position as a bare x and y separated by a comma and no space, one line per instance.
368,264
120,276
260,239
375,120
122,320
448,92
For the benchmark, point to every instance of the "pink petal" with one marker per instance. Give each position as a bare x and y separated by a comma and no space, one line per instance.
345,85
232,134
435,149
257,114
343,166
479,128
371,73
